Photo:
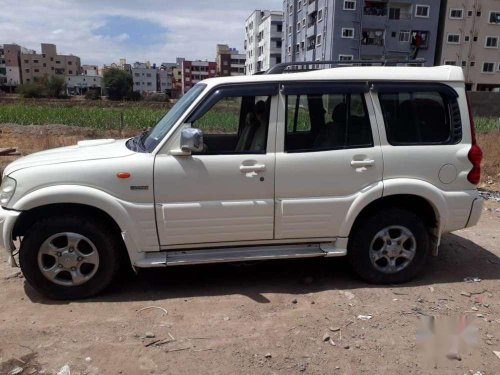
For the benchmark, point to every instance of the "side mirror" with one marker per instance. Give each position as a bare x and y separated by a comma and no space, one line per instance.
191,140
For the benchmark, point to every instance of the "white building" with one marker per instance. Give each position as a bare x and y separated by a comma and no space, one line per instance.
263,40
80,84
145,77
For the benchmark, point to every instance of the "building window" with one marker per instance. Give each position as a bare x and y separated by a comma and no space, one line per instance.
318,40
320,15
302,45
404,36
450,62
488,67
464,63
35,61
422,11
469,13
27,70
298,27
494,17
297,48
299,5
346,57
453,39
289,50
466,38
472,63
491,42
70,63
291,9
349,5
347,33
303,22
475,39
289,30
478,14
37,71
456,14
26,61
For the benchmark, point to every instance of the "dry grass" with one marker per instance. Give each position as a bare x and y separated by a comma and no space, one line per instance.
490,144
33,138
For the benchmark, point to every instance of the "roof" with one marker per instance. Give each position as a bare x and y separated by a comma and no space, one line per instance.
444,73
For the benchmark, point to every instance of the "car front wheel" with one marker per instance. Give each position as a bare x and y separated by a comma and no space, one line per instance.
69,257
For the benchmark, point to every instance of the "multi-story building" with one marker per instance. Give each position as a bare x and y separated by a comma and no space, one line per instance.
122,65
263,40
90,70
196,71
12,57
48,63
166,79
80,84
3,69
145,77
229,61
471,39
316,30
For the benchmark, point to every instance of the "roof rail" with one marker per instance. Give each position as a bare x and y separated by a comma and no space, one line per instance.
282,67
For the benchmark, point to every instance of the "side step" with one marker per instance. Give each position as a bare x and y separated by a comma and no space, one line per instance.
238,254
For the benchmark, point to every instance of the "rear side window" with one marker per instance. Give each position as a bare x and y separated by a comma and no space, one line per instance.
322,122
423,116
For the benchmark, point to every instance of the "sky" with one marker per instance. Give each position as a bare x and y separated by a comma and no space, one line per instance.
103,31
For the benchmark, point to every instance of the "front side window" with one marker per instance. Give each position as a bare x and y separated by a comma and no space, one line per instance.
426,117
172,116
491,42
235,125
456,13
323,122
453,38
495,17
488,67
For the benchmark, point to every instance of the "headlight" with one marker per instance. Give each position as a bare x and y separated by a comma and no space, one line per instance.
7,190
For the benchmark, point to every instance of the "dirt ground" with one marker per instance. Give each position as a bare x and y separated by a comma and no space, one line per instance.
263,318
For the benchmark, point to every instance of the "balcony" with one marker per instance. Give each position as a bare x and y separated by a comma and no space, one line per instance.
375,8
371,37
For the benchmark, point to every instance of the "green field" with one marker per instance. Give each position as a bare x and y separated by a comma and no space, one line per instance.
137,117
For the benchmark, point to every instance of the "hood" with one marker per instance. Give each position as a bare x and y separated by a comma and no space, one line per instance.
83,150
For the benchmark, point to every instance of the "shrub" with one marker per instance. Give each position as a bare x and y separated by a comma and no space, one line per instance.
134,96
31,90
92,95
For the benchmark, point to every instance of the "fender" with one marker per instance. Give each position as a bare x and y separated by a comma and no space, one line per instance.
436,197
136,221
366,196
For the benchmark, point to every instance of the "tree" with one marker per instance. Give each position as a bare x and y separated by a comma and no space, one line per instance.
117,83
54,85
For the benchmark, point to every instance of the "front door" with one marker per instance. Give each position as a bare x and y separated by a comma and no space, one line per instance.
225,193
328,157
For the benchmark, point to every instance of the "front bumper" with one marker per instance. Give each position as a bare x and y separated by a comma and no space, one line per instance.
7,220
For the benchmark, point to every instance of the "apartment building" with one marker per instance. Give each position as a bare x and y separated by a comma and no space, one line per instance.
263,40
166,79
12,61
122,65
196,71
90,70
360,29
80,84
471,39
3,67
48,63
230,62
145,77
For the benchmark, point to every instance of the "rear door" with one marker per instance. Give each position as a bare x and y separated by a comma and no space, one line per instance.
328,155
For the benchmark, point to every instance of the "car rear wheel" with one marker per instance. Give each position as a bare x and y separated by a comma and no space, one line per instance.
69,257
390,246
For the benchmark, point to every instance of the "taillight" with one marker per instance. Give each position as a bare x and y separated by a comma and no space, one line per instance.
475,154
475,157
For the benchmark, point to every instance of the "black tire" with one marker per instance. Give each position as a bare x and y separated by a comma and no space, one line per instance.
361,240
106,242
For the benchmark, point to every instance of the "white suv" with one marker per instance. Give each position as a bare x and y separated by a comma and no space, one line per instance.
370,162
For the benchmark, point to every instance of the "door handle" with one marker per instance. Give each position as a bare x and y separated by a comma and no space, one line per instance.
362,163
252,168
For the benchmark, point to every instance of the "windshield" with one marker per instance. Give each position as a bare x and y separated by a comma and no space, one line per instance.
172,116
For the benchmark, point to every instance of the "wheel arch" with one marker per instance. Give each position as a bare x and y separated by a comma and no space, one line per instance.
55,200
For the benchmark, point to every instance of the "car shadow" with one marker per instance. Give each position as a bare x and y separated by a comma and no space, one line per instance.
458,258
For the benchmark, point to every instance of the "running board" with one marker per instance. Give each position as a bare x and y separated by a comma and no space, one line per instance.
238,254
